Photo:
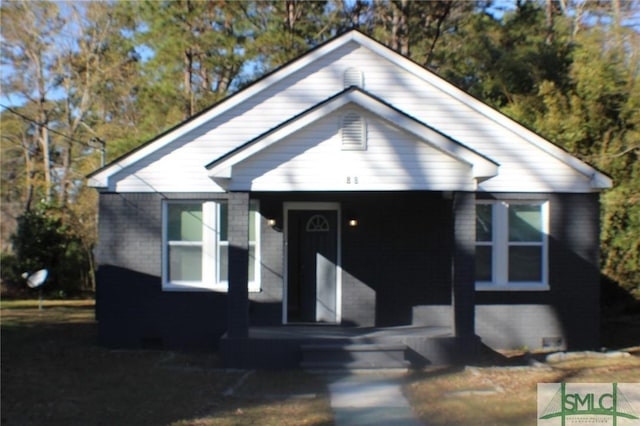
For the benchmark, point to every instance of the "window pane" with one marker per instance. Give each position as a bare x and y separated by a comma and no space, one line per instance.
525,264
252,224
185,222
185,263
484,255
252,263
223,222
484,222
224,263
525,222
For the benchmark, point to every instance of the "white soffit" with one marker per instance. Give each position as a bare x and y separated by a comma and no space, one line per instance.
482,167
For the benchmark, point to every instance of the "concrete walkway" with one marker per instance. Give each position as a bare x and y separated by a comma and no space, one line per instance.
369,399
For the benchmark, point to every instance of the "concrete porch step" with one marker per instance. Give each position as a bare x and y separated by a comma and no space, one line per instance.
353,356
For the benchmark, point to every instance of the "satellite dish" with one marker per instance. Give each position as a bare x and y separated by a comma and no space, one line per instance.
36,279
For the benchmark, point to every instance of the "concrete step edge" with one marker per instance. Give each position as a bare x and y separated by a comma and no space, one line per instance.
360,347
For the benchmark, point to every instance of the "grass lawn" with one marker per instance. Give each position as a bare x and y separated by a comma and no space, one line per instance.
54,373
507,395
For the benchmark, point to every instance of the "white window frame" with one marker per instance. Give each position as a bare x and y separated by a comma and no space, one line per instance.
501,244
211,248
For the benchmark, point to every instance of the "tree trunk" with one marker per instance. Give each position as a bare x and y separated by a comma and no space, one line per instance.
549,18
29,173
189,108
439,23
64,178
291,21
617,17
46,160
399,27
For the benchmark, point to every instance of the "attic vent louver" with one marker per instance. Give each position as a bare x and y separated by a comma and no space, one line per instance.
354,134
353,77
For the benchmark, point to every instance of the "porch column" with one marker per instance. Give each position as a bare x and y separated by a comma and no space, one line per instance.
463,263
238,294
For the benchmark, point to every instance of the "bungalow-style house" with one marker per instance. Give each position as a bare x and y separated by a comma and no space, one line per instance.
350,208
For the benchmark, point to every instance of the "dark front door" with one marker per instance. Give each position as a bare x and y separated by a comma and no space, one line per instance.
312,260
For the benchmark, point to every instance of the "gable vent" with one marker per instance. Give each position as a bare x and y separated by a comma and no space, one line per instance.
353,132
353,77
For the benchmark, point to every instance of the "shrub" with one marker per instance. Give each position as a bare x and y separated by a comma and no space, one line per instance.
44,241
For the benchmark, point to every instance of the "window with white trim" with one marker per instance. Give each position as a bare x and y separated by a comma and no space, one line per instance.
196,246
511,245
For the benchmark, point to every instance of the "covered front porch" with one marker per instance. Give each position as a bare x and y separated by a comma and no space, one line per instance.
410,191
397,289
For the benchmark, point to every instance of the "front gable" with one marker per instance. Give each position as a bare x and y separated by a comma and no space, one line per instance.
176,160
311,153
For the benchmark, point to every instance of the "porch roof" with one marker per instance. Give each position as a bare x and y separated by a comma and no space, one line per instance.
433,149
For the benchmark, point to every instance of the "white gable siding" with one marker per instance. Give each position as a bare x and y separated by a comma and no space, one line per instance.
523,166
179,166
313,159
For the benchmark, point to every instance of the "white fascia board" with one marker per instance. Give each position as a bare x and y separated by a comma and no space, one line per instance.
598,179
482,167
100,178
98,183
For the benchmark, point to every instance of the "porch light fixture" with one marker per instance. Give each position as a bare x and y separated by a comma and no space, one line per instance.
273,223
353,222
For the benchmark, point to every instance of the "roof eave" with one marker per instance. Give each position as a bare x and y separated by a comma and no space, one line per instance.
102,175
600,181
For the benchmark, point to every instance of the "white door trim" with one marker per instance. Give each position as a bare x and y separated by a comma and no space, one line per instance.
312,205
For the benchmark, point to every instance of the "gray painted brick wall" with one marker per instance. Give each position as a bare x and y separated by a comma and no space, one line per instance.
570,310
130,232
396,262
131,307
